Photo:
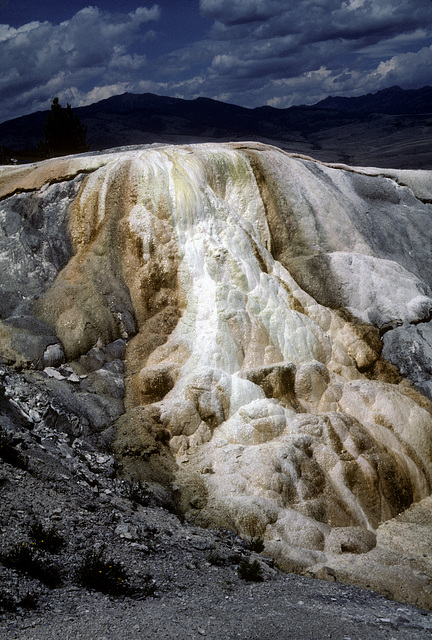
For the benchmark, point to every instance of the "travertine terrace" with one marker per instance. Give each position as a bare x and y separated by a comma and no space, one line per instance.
277,319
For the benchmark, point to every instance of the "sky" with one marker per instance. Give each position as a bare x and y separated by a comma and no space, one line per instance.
245,52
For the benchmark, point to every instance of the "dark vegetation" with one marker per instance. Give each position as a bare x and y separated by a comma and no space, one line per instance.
9,451
257,545
101,574
28,560
104,574
11,605
95,571
63,132
46,538
250,571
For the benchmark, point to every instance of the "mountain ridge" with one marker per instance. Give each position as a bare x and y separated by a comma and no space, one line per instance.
369,129
390,101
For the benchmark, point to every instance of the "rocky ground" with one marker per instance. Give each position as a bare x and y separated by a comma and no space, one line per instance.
87,554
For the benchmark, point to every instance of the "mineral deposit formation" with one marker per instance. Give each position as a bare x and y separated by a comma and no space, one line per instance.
276,314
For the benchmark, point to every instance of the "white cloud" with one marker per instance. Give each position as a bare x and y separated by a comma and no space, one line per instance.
94,47
283,53
407,69
7,32
224,63
101,93
142,14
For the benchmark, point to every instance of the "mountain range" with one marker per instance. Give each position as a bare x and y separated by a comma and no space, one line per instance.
391,101
390,128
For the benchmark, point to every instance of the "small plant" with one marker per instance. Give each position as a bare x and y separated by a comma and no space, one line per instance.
135,491
10,604
26,559
257,545
9,452
222,556
47,539
100,574
250,571
216,558
7,602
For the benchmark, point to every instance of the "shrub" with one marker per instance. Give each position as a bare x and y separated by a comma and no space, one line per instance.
250,571
216,558
222,555
10,603
257,545
100,574
7,602
46,539
25,559
10,454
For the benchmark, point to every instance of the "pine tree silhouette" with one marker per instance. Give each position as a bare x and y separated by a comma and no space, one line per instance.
63,132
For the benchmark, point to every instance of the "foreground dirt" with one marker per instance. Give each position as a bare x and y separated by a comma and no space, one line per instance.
287,607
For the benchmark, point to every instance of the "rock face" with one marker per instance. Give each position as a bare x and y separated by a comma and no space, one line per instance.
276,314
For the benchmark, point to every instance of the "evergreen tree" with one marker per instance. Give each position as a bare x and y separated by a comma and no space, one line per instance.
63,132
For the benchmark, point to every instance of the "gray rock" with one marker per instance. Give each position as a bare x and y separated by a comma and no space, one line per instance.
409,347
34,242
350,540
53,355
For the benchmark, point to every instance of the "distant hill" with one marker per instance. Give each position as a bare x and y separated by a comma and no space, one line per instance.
392,101
138,118
363,130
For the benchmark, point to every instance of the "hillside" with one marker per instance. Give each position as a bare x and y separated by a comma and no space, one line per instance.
391,101
389,129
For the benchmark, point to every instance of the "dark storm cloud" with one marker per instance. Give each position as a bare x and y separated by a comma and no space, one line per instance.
249,52
40,60
307,49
